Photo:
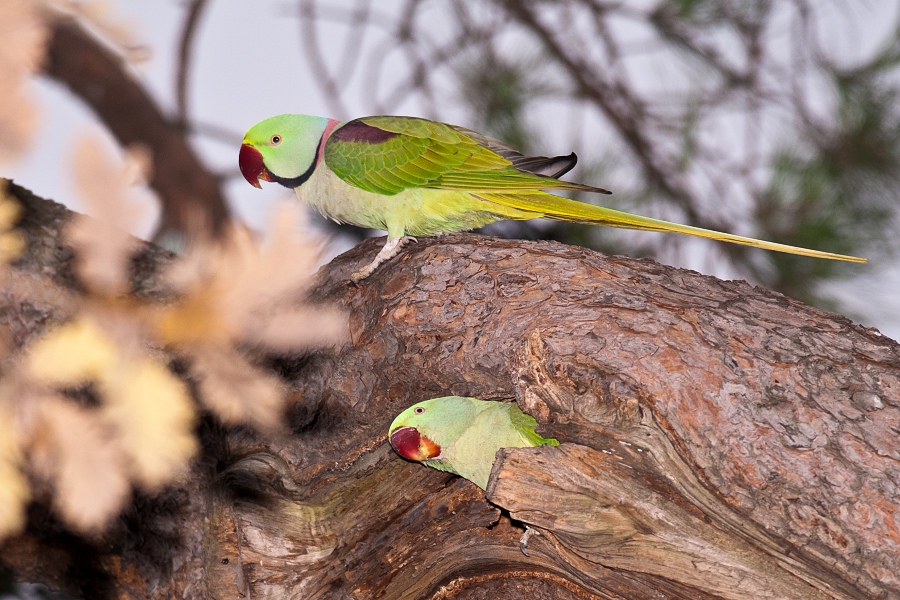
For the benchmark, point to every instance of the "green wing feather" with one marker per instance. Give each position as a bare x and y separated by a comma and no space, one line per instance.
427,154
526,424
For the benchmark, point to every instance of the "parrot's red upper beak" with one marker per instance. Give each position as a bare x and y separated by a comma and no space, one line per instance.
413,446
252,168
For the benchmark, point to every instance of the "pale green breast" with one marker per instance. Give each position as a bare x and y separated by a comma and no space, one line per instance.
472,455
416,211
340,201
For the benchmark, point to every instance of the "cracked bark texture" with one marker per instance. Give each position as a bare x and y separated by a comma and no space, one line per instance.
717,441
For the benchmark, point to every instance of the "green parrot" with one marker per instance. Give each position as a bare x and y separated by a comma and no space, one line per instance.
462,435
415,177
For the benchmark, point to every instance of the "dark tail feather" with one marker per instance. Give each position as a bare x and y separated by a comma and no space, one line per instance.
555,166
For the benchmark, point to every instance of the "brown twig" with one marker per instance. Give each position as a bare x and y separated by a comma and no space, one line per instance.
185,46
310,39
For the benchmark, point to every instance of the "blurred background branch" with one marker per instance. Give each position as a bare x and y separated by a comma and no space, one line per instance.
185,52
193,204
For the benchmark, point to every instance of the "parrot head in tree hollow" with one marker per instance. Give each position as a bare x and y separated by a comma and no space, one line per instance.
415,177
462,435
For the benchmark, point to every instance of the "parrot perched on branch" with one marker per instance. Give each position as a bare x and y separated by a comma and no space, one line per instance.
462,435
415,177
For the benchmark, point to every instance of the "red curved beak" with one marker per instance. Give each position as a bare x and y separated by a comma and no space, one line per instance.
250,161
412,446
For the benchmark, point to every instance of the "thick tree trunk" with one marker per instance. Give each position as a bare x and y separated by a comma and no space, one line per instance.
717,441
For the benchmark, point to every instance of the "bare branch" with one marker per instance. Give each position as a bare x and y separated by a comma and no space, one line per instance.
185,46
310,38
192,199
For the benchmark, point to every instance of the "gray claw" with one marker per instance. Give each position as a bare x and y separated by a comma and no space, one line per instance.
523,542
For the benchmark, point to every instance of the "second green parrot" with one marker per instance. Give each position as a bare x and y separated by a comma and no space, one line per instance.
462,435
415,177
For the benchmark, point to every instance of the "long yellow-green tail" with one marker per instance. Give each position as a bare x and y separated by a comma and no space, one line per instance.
564,209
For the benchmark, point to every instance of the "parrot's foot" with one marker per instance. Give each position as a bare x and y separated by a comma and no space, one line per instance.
523,542
391,249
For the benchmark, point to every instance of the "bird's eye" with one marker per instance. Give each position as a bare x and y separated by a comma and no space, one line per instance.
274,140
419,410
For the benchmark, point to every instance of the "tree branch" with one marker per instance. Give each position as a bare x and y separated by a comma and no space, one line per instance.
192,199
185,46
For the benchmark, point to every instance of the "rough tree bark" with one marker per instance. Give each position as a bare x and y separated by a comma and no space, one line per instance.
717,441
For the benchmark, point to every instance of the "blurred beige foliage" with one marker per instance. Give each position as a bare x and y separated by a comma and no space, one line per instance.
104,250
92,408
23,34
13,484
71,448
